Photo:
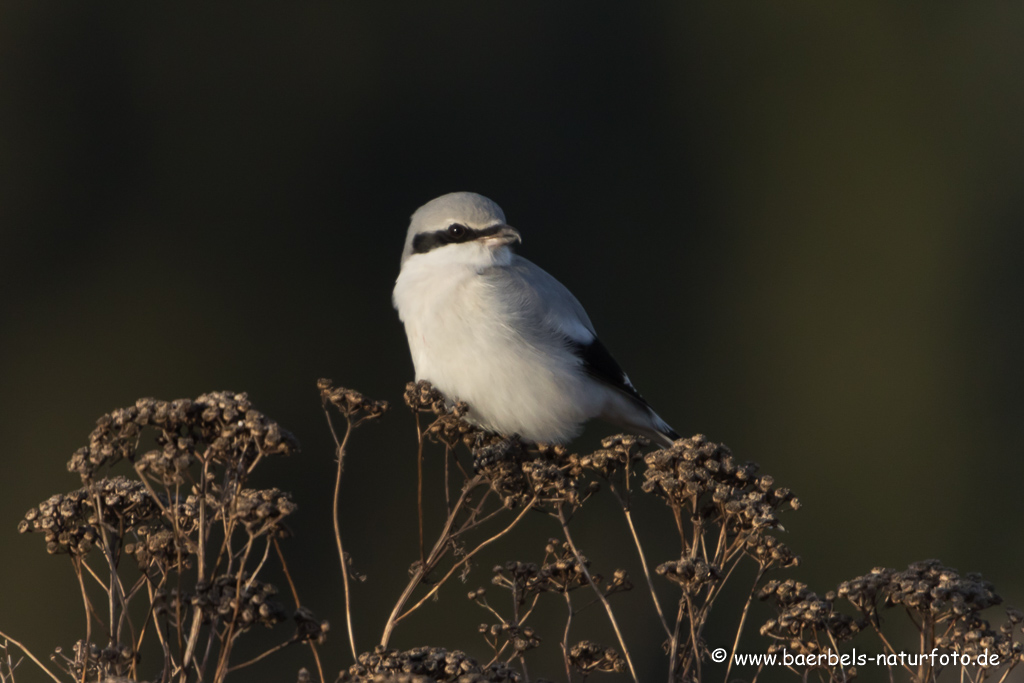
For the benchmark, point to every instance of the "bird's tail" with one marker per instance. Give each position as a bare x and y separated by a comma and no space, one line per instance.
661,431
635,415
653,427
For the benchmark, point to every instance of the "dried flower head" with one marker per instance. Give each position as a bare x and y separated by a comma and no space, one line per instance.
588,657
703,477
693,575
350,403
504,635
805,623
615,453
263,511
425,665
308,628
239,598
560,572
421,396
219,425
930,587
91,662
769,552
71,522
520,475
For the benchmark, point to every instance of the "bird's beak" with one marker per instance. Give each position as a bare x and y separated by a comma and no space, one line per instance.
504,236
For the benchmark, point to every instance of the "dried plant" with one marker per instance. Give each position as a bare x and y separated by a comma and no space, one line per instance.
201,540
175,552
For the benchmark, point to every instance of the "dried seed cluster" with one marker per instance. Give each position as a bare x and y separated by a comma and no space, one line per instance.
350,403
449,426
520,637
693,575
189,504
703,476
588,657
421,396
805,623
220,425
561,572
519,475
262,511
71,522
308,627
160,549
616,452
768,551
229,597
939,595
929,586
91,662
424,665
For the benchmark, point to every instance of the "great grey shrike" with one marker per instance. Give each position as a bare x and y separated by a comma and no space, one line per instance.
490,328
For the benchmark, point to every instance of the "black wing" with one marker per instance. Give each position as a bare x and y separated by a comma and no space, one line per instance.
600,365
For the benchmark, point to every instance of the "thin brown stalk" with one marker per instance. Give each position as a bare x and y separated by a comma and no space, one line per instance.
715,590
604,601
1006,673
448,455
497,653
466,558
425,567
565,638
340,453
168,657
472,521
319,666
279,646
229,639
93,573
29,655
419,484
529,611
263,560
743,621
693,635
647,571
298,603
891,649
674,649
89,609
835,648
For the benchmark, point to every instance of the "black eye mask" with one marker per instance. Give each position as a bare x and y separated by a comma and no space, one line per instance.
456,233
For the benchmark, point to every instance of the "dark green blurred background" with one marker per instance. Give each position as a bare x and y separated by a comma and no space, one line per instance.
798,228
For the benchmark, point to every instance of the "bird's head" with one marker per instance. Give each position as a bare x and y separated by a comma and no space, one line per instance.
461,227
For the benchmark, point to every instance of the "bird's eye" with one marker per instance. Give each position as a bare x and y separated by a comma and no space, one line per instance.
456,231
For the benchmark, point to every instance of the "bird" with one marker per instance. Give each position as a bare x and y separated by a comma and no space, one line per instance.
490,328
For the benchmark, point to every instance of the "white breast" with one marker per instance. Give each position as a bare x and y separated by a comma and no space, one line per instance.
465,341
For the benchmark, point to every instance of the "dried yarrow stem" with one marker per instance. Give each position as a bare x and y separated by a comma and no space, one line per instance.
561,573
198,536
201,539
588,657
722,510
808,625
946,609
221,428
352,404
506,477
356,409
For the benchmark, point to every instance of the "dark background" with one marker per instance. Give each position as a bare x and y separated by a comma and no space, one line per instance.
798,228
